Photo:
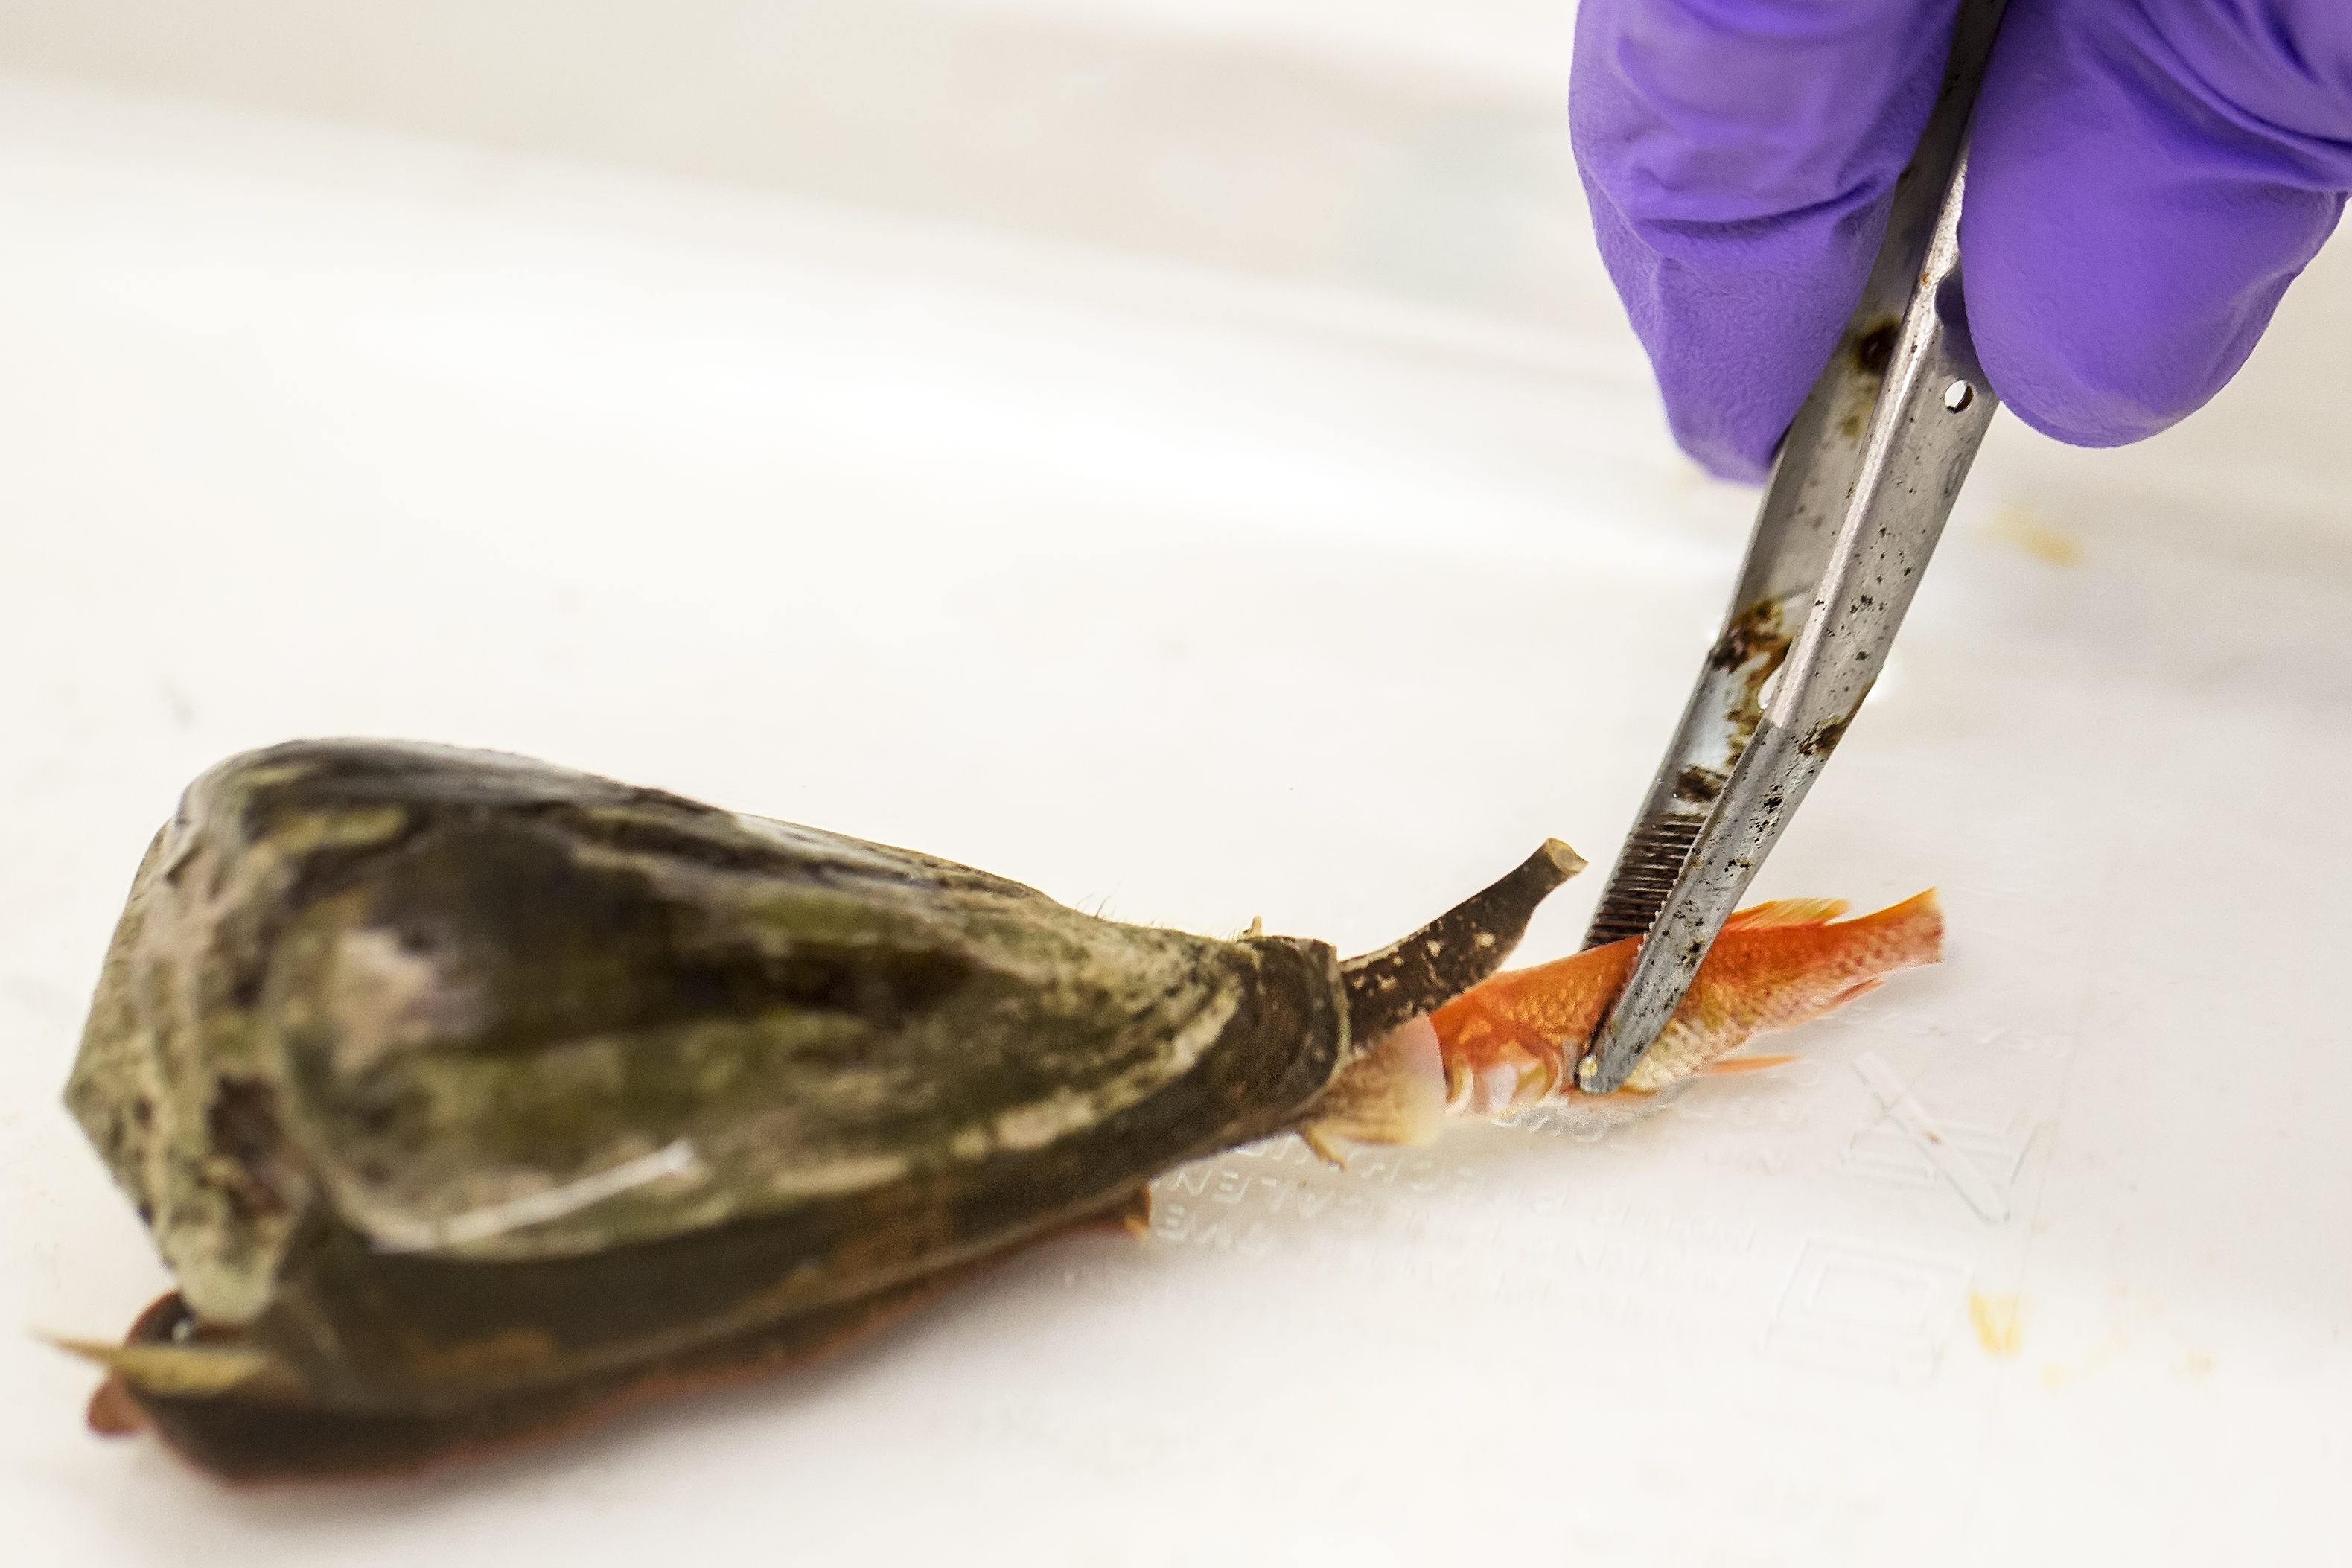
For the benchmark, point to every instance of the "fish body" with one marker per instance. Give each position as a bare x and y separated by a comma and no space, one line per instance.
1512,1042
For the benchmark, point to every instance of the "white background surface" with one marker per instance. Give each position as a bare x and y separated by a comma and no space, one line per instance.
1185,459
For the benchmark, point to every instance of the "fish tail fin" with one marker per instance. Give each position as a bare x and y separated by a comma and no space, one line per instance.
1913,930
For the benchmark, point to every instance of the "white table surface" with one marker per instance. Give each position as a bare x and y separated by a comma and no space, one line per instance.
1097,569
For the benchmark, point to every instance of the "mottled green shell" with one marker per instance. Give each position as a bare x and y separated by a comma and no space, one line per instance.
389,1027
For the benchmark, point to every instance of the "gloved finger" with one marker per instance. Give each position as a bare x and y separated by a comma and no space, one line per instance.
2145,180
1740,156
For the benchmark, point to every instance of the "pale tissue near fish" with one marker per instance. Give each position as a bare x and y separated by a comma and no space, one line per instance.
1394,1093
1511,1044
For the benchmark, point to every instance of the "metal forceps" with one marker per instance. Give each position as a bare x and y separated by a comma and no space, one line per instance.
1858,497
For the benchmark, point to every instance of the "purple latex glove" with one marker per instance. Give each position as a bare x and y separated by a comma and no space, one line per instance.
2147,178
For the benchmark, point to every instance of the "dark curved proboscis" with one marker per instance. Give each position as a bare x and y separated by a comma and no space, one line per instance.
1423,971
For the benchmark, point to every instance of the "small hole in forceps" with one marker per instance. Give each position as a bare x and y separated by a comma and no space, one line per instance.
1958,395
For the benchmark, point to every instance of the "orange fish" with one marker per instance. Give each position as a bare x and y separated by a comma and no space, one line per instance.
1514,1042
